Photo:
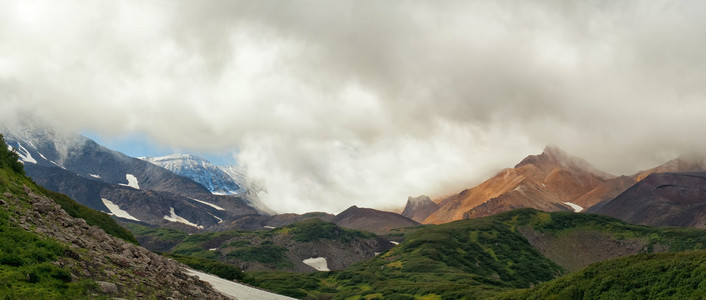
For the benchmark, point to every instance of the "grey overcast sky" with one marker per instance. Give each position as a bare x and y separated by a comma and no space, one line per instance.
335,103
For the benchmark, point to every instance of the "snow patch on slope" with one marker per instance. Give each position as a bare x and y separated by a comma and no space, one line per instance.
574,206
116,211
131,182
209,204
217,218
173,217
25,156
318,263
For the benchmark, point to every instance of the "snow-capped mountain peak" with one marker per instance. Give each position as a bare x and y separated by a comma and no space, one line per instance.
200,170
220,180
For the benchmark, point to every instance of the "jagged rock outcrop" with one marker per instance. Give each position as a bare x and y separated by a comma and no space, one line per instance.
120,269
419,208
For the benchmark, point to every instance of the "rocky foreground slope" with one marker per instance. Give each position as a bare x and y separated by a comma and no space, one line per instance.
119,268
46,253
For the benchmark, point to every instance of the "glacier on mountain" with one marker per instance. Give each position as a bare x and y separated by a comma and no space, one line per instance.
219,180
200,170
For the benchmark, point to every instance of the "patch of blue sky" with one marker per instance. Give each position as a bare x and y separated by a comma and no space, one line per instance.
138,144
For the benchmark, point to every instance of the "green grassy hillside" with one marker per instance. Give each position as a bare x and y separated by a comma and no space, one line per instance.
679,275
262,247
479,258
28,268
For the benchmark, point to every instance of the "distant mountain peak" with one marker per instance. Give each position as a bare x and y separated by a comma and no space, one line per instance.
174,157
553,156
220,180
684,163
368,219
201,170
419,208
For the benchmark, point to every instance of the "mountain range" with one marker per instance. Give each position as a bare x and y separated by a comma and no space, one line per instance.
550,181
513,253
219,180
128,188
557,181
54,248
485,245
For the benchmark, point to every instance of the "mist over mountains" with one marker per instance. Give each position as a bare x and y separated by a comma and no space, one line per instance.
326,105
378,149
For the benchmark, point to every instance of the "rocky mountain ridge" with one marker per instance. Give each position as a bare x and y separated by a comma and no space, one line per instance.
219,180
556,181
550,181
661,199
126,187
419,208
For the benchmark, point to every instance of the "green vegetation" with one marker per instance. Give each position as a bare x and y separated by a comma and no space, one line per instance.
295,285
26,269
643,276
157,238
559,223
214,267
10,159
266,253
487,257
26,266
316,229
246,246
163,234
199,245
468,258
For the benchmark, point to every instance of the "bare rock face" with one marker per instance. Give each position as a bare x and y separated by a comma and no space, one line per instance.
120,269
662,199
610,189
419,208
546,182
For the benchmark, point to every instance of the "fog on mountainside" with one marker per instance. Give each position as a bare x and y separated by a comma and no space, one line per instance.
336,103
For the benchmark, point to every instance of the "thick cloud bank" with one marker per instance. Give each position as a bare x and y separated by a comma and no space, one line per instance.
334,103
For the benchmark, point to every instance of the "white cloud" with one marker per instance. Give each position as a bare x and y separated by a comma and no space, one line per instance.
366,102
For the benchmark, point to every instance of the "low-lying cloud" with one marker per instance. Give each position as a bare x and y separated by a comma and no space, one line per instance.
335,103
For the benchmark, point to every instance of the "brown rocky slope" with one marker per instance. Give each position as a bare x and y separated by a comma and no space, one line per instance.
419,208
614,187
549,182
661,199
